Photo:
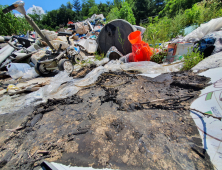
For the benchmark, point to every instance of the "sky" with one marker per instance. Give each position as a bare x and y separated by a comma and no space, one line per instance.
47,5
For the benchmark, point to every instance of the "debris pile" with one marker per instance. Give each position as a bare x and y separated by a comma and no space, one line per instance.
89,78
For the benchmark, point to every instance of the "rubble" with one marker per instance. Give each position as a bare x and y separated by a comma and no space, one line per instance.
99,96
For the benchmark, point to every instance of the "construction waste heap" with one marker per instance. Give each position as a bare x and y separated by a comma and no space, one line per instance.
89,96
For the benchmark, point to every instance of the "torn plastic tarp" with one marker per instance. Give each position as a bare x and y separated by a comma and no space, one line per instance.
63,86
204,29
23,70
145,67
210,44
94,17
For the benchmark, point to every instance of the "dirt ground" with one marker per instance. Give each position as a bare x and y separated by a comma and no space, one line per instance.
123,122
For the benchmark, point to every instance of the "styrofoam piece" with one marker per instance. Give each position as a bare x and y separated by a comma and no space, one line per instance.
210,102
90,45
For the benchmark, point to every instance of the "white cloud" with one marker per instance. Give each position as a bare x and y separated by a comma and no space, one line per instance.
35,10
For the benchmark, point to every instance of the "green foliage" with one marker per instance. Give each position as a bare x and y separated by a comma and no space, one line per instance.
143,9
93,10
113,14
99,56
163,29
56,17
9,24
157,58
174,6
121,41
191,59
76,5
105,8
166,28
86,5
117,3
69,5
127,13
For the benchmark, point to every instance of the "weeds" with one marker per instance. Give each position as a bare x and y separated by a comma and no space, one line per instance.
99,56
121,41
166,28
191,59
157,58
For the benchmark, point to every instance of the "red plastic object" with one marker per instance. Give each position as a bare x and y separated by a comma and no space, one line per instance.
135,37
141,50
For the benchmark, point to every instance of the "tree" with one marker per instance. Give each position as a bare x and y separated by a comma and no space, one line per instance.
9,24
126,13
86,5
93,10
146,8
113,14
76,6
69,5
50,20
37,16
172,7
118,3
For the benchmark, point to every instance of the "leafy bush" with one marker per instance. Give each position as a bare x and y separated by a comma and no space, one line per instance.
9,24
125,12
192,59
166,28
113,14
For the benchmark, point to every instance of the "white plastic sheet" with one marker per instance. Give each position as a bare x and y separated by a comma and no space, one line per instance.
23,70
209,128
204,29
62,86
145,67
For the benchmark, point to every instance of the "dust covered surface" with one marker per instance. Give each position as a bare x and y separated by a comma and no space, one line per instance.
122,122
